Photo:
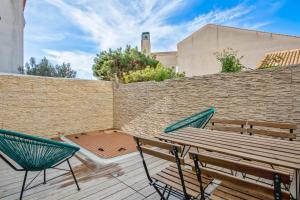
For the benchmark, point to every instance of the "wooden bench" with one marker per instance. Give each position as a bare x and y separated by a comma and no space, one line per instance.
272,129
175,177
233,187
228,125
261,128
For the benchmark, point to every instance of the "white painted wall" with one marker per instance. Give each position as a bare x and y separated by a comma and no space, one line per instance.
11,35
195,54
168,59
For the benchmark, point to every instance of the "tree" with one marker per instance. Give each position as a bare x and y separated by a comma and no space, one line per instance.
115,63
45,68
229,60
159,73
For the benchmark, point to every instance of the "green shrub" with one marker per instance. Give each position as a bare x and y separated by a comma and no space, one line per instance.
112,64
159,73
229,60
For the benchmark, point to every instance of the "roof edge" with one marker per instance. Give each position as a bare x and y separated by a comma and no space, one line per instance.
164,52
236,28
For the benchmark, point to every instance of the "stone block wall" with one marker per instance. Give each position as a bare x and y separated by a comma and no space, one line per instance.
46,106
149,107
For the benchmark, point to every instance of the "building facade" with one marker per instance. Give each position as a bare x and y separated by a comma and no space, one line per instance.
11,35
167,58
195,54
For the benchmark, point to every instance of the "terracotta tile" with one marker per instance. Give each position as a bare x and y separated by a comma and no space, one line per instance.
105,143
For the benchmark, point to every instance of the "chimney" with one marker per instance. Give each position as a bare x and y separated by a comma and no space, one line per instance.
145,43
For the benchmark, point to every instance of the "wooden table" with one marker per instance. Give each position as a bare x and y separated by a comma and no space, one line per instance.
266,150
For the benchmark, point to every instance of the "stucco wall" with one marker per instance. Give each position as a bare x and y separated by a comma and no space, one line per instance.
168,59
196,52
11,35
260,95
46,106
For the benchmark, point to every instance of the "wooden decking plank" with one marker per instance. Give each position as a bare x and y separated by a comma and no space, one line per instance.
154,196
134,196
238,148
249,138
121,194
258,144
15,188
147,191
264,147
183,139
237,153
106,192
57,191
11,176
93,188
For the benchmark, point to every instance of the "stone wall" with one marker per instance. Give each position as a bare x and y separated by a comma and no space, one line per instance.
261,95
46,106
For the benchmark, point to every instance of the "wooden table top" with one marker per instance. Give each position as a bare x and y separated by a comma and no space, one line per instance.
266,150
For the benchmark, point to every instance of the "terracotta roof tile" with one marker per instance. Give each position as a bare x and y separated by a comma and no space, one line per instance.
281,58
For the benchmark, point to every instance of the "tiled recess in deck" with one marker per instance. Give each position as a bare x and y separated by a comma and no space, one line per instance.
105,143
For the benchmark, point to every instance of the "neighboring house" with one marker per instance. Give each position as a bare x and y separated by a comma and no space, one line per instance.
195,54
280,58
11,35
167,58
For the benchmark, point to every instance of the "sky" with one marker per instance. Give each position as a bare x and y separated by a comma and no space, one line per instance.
75,31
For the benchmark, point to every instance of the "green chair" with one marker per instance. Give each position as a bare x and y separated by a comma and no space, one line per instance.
34,154
198,120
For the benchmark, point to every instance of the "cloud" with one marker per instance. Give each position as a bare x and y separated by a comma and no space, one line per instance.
111,24
116,23
49,37
80,61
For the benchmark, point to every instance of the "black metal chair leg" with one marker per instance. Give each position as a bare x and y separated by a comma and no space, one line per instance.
23,186
160,194
164,191
78,188
169,192
44,176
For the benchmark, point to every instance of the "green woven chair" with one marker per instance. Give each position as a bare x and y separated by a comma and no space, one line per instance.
198,120
34,154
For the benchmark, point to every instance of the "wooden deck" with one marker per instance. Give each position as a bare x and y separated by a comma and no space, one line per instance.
125,180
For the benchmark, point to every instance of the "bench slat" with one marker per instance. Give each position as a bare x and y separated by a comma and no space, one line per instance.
157,143
161,155
254,170
271,133
228,121
227,128
242,182
273,124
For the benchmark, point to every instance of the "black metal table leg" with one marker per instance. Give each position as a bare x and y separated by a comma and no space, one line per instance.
23,186
78,188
